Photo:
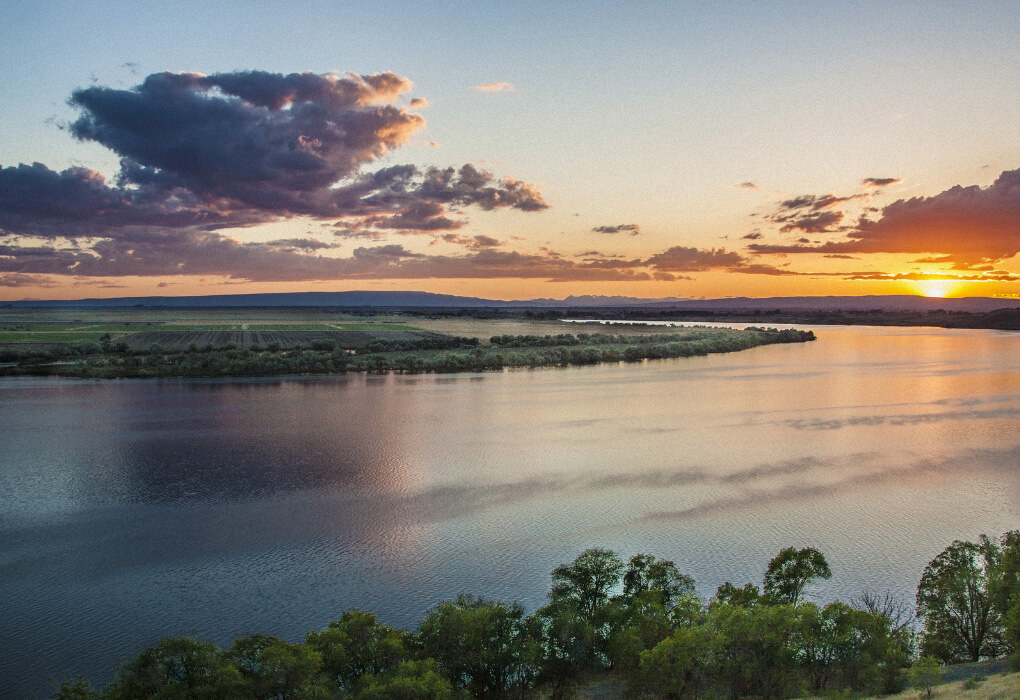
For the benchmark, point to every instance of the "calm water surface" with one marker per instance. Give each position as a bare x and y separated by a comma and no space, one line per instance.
133,510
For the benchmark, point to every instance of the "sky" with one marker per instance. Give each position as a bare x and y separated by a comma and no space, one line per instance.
510,150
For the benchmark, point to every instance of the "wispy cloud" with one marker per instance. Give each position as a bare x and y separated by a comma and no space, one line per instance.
632,229
879,181
495,87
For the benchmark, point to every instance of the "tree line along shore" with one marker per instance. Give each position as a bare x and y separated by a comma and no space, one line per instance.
642,621
338,352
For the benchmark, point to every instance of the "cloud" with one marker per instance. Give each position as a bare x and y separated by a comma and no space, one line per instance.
747,186
968,225
144,252
838,256
487,242
820,222
632,229
879,181
305,244
757,269
682,259
992,276
202,153
474,242
753,236
495,87
21,279
815,202
344,231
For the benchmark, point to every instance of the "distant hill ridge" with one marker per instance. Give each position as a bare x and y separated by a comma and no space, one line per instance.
427,299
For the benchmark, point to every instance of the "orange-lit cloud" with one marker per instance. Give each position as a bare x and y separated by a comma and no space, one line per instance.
967,225
495,87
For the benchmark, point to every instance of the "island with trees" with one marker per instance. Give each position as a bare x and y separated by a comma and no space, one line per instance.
160,349
640,622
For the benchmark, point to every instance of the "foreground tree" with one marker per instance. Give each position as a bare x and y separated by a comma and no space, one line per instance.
646,573
954,600
1004,588
790,571
587,583
756,649
728,594
679,666
272,668
355,645
410,680
76,689
487,647
175,667
926,674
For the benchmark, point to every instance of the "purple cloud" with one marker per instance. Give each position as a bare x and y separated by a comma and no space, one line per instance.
202,153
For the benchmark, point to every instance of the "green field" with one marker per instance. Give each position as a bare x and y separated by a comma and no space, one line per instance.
48,327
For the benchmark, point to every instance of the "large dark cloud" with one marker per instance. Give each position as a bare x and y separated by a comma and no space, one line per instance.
201,153
967,225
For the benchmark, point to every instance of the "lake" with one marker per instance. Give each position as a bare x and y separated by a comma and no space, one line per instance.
133,510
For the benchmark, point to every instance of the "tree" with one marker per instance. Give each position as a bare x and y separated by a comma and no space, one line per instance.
756,650
926,673
175,667
898,612
791,570
679,666
637,625
569,645
356,644
587,583
77,689
1004,587
488,647
729,594
646,573
411,680
953,597
272,668
842,647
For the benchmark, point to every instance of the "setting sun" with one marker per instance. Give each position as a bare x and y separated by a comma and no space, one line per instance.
937,288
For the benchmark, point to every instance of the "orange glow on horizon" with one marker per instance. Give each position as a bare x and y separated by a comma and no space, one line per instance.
937,288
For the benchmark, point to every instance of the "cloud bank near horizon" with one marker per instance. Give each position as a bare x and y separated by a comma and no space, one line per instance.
970,227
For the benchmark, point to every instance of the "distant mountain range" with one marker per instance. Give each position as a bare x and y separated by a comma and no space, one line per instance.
429,300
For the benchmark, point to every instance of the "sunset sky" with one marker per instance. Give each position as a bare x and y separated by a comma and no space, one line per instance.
510,150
